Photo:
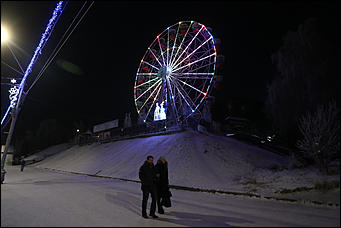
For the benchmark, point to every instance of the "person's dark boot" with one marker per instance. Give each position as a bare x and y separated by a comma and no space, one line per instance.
154,216
161,211
145,216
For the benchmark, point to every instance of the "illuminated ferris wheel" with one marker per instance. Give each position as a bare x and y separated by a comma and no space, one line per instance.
176,72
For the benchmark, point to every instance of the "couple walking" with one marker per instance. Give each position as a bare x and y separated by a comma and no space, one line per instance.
154,181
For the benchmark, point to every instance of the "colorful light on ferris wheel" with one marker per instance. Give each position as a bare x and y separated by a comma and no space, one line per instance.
183,57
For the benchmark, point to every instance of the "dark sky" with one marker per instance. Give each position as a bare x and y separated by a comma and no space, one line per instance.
110,41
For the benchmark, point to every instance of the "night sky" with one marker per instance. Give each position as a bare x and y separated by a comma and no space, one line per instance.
111,39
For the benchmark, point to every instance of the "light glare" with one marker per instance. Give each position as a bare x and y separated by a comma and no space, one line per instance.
4,34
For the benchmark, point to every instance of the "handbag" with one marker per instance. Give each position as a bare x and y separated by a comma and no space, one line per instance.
169,194
165,201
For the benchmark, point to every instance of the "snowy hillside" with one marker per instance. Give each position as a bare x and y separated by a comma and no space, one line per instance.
195,160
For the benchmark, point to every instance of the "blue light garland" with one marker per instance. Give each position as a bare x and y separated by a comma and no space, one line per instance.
3,119
56,14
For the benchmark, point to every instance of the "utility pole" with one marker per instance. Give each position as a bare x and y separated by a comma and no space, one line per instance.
17,105
14,114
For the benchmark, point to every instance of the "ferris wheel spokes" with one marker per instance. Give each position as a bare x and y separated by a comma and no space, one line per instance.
190,86
177,51
187,76
150,96
155,56
146,74
176,36
167,46
175,65
193,88
177,86
204,78
163,59
158,81
150,64
191,70
172,97
185,99
158,92
147,82
174,62
174,70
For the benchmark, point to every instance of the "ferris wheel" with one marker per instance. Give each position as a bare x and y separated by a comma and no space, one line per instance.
176,73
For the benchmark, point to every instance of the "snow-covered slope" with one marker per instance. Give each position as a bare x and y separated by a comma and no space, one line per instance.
47,152
195,160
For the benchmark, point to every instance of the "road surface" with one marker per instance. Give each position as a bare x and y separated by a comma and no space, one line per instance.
37,197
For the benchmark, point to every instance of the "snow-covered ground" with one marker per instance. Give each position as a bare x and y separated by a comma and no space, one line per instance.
41,155
195,160
43,198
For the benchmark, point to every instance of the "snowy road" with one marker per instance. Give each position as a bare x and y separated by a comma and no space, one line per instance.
44,198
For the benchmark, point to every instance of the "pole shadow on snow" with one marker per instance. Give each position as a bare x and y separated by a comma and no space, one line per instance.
63,181
195,219
125,201
133,204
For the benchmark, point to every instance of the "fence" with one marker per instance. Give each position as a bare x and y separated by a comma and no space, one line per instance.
145,130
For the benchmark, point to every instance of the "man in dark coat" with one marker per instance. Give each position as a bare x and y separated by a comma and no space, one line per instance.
147,176
162,182
22,163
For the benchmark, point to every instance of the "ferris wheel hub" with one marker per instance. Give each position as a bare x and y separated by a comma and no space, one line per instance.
164,72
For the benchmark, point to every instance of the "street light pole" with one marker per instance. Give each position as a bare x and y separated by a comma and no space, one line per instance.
14,115
16,109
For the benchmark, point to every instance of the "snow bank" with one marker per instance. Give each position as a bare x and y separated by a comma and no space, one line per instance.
195,160
41,155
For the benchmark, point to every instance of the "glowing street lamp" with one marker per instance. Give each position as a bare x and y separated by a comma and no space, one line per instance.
4,35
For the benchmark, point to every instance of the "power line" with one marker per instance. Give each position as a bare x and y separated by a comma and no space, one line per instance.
49,61
3,62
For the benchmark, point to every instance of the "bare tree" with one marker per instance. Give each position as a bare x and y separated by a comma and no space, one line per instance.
308,69
321,135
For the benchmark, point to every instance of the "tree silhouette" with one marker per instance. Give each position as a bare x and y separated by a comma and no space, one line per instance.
308,75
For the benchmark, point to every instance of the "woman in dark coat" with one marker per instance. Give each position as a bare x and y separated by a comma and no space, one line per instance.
162,184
